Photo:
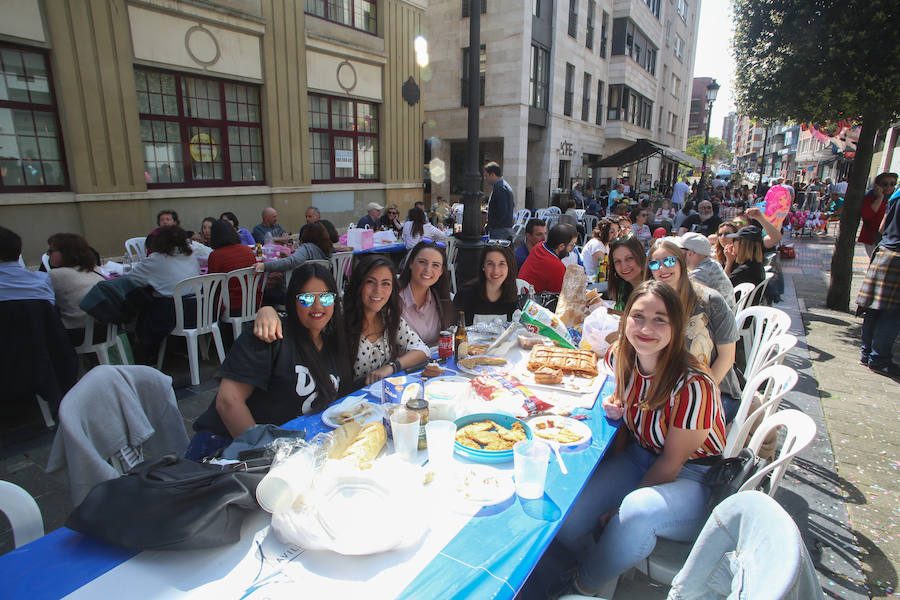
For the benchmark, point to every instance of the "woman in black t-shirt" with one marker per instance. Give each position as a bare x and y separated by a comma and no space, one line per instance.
743,259
300,374
494,292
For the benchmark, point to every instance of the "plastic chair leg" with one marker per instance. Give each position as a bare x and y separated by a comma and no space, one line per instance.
103,355
45,411
193,358
220,347
162,354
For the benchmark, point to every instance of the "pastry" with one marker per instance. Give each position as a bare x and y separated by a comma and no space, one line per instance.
477,361
476,349
432,369
366,445
571,362
548,375
488,435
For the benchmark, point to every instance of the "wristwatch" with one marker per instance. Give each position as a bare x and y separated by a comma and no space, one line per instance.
395,365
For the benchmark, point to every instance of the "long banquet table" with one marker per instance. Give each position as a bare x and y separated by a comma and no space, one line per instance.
489,556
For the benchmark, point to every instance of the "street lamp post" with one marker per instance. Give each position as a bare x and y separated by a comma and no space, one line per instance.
711,90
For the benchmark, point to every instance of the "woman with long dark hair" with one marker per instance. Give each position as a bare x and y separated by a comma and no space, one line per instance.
314,245
495,291
425,291
229,254
74,271
674,430
626,261
418,228
639,218
381,343
300,374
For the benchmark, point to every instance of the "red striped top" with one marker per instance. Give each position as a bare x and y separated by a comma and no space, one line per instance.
694,404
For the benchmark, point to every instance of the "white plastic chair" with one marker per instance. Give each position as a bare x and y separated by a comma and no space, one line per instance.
776,381
340,268
554,210
800,430
590,223
23,513
759,292
757,326
524,287
542,213
520,217
135,250
101,348
45,260
771,353
743,293
451,262
206,289
252,284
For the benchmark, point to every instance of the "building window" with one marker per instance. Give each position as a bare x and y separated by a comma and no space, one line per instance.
589,38
570,90
604,33
198,131
625,104
358,14
586,98
536,8
482,70
539,87
343,139
629,40
599,118
31,158
679,47
681,7
573,18
653,5
467,7
614,103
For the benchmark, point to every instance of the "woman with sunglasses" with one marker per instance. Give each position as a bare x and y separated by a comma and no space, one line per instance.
418,228
711,333
425,292
495,291
640,228
673,430
273,382
390,220
626,260
380,340
723,241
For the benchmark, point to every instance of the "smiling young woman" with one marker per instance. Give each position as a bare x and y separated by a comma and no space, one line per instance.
626,259
495,291
425,291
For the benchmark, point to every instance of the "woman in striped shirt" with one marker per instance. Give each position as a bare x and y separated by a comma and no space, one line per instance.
674,430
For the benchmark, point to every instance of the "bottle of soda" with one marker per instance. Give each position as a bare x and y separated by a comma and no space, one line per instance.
461,338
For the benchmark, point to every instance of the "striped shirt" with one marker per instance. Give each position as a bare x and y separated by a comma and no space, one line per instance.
694,404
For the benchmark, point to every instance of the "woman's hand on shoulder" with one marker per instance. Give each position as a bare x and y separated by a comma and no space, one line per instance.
267,325
613,408
260,267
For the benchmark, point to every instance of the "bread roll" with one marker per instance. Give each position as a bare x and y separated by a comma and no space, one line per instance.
366,446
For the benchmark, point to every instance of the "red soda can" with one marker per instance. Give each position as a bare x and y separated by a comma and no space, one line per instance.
445,345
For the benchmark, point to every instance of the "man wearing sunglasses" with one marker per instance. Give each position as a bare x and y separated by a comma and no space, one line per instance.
705,222
501,204
544,268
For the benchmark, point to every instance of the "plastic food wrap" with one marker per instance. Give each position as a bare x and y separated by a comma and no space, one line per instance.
597,327
493,387
572,297
538,319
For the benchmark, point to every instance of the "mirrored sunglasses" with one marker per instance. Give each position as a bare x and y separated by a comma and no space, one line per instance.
498,243
667,261
307,299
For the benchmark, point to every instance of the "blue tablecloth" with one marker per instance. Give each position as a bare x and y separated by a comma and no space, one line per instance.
491,557
386,248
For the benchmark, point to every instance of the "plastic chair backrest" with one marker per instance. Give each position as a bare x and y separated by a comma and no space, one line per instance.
251,284
554,210
45,260
771,353
590,223
23,513
542,214
100,348
759,292
800,430
340,268
207,290
135,249
524,287
757,325
743,293
776,382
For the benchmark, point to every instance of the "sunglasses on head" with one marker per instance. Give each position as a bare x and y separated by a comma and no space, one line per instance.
307,299
503,243
668,261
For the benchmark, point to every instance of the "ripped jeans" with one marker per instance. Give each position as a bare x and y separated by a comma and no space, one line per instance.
675,510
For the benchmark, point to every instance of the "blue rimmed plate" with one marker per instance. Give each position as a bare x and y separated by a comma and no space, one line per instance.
489,456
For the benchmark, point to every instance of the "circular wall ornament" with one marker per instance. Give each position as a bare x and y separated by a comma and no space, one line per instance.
202,46
346,76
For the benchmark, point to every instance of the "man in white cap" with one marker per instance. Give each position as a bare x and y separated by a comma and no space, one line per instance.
374,209
704,269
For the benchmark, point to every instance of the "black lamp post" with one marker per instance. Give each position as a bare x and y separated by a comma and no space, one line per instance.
711,90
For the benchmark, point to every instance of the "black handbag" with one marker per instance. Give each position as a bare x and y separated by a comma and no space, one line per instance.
171,504
727,475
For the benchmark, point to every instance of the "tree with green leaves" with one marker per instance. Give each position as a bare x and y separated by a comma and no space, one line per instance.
720,151
822,61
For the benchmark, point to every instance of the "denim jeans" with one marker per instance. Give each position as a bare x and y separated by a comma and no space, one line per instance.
879,331
675,510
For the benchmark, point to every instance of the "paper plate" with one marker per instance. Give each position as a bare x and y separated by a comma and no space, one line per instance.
550,426
369,411
482,485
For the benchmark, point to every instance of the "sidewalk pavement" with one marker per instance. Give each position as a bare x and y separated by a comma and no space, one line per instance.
841,491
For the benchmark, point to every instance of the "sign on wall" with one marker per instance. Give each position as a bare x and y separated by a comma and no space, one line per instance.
343,159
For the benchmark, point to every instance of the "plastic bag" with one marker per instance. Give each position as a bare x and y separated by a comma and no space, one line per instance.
538,319
598,325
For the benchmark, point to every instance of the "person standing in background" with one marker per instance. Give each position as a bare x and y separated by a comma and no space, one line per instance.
501,204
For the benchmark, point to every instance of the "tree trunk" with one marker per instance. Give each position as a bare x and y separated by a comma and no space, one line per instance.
844,247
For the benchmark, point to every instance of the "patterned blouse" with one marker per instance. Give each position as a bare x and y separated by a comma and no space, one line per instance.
694,404
374,355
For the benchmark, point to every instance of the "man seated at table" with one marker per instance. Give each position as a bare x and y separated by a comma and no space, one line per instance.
704,269
313,215
544,268
164,218
578,196
705,222
617,195
535,233
17,282
271,227
373,215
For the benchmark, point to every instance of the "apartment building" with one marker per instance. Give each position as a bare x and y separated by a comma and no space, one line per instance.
699,115
728,124
114,110
565,83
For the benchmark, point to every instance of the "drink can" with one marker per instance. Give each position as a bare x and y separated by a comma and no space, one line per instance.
445,345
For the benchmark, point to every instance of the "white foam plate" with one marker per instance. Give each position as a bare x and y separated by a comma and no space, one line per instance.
372,413
553,424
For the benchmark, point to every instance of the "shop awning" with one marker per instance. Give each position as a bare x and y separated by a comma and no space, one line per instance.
642,149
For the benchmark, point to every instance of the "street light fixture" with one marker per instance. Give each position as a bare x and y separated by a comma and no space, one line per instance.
712,89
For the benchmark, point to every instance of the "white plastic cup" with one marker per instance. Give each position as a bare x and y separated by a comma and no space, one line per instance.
405,428
530,467
441,436
278,490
